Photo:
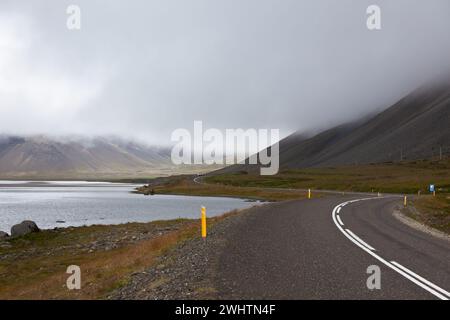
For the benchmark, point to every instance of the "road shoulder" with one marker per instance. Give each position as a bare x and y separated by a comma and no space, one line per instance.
412,223
189,271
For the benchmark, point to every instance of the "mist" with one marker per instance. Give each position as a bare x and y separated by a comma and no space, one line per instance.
144,69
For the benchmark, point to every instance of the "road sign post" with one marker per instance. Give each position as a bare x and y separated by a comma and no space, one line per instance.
433,189
203,222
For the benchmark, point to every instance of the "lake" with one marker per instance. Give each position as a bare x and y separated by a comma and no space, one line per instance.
61,203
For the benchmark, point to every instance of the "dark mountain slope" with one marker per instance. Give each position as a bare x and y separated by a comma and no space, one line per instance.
415,127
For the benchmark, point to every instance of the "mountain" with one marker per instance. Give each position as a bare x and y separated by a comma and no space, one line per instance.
40,156
416,127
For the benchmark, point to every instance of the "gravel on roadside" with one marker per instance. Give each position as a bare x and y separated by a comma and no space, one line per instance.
186,272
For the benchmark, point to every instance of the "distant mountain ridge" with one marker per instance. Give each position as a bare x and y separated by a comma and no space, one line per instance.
41,156
416,127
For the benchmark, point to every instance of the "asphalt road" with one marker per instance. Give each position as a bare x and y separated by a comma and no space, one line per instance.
311,249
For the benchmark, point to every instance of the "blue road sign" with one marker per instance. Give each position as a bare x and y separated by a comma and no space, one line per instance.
431,187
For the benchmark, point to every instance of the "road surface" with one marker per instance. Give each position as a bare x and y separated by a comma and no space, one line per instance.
321,249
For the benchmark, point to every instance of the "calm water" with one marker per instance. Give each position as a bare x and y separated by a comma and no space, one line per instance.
80,203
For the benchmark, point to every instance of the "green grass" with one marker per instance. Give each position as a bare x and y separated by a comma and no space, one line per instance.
404,178
183,185
408,177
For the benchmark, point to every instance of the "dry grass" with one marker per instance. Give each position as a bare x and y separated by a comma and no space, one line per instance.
44,277
35,265
186,186
433,211
407,177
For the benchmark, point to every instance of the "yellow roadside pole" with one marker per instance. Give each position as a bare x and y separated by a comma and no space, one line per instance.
203,222
405,201
309,193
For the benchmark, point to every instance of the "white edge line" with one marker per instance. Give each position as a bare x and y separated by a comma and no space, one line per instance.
338,210
360,240
339,220
393,267
415,275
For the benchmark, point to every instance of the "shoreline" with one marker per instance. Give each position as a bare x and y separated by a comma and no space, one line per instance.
142,212
109,256
34,266
60,184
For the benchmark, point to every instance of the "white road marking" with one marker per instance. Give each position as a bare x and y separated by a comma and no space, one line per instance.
415,275
339,220
360,240
427,285
338,210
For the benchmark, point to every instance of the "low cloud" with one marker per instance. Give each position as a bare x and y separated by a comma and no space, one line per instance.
159,65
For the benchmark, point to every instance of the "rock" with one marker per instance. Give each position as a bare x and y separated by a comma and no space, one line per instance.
3,235
23,228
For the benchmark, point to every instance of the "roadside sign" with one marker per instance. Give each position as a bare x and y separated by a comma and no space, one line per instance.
431,187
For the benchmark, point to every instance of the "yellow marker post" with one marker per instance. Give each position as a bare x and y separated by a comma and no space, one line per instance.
203,222
309,193
405,201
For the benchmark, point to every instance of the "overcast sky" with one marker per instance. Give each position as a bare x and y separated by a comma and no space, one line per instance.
148,67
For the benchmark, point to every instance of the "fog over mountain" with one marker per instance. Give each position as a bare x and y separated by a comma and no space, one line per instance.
142,69
416,127
41,156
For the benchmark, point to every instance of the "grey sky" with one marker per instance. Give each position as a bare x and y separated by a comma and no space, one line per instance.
148,67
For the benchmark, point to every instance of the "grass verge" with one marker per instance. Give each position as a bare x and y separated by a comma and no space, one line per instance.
405,177
184,185
432,211
34,266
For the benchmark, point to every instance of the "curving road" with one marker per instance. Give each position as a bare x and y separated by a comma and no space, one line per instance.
321,249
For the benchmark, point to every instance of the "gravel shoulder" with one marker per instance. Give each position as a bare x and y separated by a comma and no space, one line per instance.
189,271
404,218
